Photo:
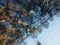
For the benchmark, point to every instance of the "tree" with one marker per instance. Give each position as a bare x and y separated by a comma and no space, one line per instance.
29,19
